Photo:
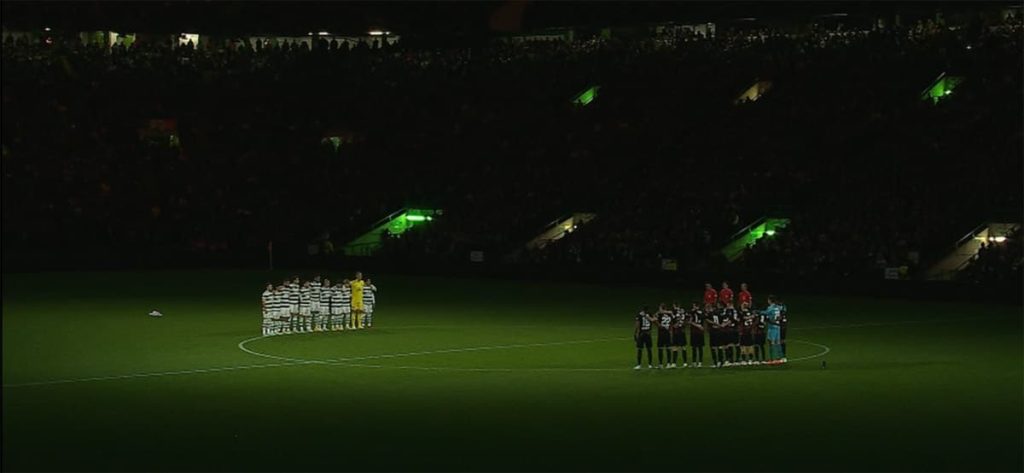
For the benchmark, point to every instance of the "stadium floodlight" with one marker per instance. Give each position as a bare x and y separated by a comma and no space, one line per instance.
586,96
416,218
322,33
769,232
46,29
377,33
998,239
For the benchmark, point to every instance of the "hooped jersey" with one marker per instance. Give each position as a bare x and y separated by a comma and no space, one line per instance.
268,302
369,294
346,295
304,296
314,291
293,294
326,296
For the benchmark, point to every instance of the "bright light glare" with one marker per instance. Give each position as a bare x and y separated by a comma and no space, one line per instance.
322,33
46,29
769,232
998,239
415,218
376,33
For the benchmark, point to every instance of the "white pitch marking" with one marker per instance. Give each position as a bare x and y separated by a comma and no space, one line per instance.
149,375
290,361
420,353
344,361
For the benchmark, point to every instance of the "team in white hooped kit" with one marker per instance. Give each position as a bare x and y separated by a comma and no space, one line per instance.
316,305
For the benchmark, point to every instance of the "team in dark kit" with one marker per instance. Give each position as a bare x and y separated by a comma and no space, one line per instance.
736,336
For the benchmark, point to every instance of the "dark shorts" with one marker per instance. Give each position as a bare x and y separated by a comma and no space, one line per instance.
747,339
664,338
643,340
697,339
783,333
678,338
759,338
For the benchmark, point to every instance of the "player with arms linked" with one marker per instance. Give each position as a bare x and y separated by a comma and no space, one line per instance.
678,335
695,319
642,335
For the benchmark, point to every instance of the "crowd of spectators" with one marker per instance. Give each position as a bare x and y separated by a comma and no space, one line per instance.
997,261
870,174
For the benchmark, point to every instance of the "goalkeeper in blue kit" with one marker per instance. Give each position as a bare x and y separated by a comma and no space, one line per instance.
774,333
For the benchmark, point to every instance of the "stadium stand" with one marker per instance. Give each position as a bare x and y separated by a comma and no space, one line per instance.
871,175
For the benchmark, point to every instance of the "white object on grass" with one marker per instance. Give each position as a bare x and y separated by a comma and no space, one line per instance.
156,313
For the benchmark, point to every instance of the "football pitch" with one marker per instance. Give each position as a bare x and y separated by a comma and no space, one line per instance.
462,374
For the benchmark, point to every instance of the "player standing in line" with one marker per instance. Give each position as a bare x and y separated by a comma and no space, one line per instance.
284,319
746,337
730,333
357,299
294,318
337,319
304,301
783,324
326,316
642,334
716,325
678,334
746,299
346,305
759,337
369,301
664,334
696,321
710,297
725,295
314,302
773,334
267,304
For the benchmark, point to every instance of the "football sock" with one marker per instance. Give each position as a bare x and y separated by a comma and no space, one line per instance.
639,356
729,354
783,349
650,356
661,353
693,353
714,355
683,350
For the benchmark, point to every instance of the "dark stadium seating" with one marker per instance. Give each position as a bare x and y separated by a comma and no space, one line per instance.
871,175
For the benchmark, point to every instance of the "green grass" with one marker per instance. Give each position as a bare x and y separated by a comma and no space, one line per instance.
913,386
